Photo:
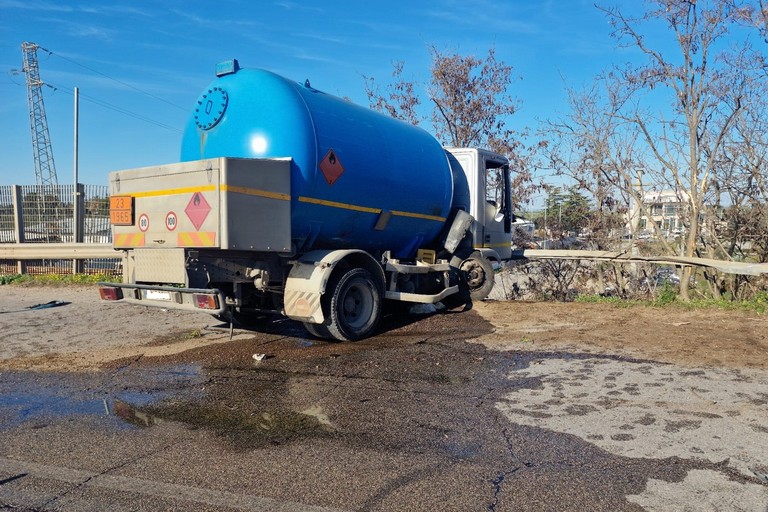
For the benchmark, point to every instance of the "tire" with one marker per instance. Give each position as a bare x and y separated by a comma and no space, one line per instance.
476,274
249,319
318,330
352,304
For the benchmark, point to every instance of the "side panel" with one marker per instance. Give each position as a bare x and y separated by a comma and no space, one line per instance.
467,159
256,201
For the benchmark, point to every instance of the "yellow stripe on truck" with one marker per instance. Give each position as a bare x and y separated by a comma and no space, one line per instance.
212,188
129,240
174,191
196,239
256,192
367,209
418,216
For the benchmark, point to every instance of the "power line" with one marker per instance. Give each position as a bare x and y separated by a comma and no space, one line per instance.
103,103
110,106
125,84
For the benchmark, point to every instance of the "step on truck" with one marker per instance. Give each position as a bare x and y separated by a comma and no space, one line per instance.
287,200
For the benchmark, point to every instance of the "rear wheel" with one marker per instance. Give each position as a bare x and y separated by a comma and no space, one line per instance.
317,330
352,304
244,319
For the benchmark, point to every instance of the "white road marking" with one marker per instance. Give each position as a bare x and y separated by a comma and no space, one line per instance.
154,488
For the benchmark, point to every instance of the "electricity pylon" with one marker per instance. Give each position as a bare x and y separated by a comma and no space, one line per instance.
45,169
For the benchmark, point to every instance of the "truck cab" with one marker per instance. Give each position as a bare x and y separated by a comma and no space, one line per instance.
487,199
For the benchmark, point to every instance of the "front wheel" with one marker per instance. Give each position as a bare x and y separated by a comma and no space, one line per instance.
477,275
352,305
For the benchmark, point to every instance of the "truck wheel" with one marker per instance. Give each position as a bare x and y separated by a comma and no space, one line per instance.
243,319
354,305
477,274
318,330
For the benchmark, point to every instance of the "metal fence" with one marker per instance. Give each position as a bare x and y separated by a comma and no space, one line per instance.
34,214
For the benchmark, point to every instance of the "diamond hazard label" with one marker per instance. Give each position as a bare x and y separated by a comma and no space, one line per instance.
197,210
331,167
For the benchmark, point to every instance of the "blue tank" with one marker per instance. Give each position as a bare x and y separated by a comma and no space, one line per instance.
359,179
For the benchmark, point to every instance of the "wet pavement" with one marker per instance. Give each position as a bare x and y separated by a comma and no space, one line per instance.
413,419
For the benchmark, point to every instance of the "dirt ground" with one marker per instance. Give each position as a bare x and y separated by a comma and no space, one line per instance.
85,333
672,334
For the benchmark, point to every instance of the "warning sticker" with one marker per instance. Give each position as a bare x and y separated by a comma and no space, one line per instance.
144,222
331,167
197,210
171,221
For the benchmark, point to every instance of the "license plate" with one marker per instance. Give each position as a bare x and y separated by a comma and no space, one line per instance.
158,295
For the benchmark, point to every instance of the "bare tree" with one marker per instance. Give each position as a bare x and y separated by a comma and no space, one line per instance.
471,100
702,88
471,105
597,150
399,99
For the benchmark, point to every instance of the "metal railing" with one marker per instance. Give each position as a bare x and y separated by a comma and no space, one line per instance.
69,226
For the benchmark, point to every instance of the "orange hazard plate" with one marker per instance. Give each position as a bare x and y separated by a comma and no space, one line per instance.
121,210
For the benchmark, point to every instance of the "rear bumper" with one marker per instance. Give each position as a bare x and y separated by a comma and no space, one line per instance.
205,300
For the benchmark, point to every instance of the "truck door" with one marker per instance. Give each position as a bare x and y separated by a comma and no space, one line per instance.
496,218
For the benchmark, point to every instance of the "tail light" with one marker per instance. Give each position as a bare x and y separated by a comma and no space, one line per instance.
110,293
205,301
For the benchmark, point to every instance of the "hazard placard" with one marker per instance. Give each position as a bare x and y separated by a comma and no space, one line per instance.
331,167
197,209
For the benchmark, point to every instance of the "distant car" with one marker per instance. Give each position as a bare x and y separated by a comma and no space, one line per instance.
644,235
661,277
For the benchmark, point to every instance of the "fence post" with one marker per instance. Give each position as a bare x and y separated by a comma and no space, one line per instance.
18,225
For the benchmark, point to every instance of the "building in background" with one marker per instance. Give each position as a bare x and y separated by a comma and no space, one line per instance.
667,209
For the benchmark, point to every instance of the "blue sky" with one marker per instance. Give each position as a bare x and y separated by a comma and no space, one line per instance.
153,59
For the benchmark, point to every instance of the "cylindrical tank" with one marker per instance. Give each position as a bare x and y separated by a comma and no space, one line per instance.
359,179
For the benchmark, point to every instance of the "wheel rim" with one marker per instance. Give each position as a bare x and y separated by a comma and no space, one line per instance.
474,275
356,306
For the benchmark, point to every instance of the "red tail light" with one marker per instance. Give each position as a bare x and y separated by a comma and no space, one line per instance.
110,293
205,301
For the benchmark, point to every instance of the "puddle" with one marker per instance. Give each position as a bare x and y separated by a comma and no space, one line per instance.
142,397
243,429
40,397
132,415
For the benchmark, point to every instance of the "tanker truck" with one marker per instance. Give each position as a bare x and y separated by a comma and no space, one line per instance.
287,200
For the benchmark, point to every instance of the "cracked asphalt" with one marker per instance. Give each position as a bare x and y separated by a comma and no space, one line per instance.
424,416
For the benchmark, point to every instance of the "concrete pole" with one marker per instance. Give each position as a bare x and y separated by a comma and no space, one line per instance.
77,236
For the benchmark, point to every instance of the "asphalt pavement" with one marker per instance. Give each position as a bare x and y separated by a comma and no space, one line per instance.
414,419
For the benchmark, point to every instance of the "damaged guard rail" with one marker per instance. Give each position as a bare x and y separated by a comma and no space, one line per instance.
728,267
79,251
64,251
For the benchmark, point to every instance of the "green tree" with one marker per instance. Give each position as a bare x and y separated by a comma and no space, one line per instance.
568,212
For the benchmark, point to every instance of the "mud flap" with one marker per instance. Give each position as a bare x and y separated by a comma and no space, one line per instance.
303,290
